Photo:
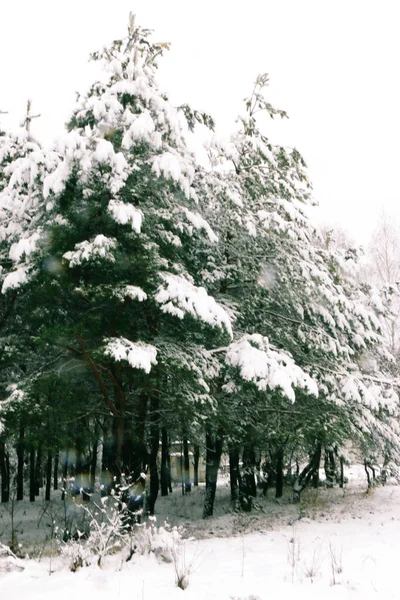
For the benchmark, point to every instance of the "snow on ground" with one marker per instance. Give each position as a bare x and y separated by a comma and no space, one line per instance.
334,544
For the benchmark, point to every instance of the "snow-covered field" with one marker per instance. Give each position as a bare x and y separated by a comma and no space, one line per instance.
332,545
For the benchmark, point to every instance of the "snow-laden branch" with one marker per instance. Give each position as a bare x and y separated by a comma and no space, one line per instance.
178,296
100,247
138,354
268,368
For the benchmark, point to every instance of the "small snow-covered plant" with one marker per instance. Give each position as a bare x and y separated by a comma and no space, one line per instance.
336,559
106,528
12,508
183,569
312,565
77,553
166,543
293,554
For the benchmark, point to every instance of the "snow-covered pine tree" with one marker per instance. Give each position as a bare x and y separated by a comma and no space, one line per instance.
116,287
23,166
303,299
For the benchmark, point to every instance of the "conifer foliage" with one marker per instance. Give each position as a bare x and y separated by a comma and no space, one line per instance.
147,298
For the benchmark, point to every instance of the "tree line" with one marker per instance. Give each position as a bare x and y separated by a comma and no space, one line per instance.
146,298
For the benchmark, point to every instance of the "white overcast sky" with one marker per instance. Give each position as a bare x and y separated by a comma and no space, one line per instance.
333,65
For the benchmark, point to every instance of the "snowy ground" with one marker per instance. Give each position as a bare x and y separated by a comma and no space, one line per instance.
334,545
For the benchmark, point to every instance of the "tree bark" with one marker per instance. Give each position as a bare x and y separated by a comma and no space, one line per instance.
164,462
234,473
186,484
64,477
154,446
93,465
214,445
330,468
279,472
20,463
5,473
247,487
55,471
38,472
48,476
341,482
169,471
308,473
32,481
196,458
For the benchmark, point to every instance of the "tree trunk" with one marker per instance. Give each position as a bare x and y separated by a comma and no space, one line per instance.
341,482
196,458
93,465
5,473
20,463
214,447
169,471
117,433
38,472
330,468
78,466
164,462
279,472
48,476
310,471
154,446
247,487
117,466
369,480
64,477
186,484
32,480
55,471
234,473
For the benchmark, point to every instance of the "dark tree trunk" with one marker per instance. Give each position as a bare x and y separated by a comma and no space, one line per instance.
117,466
64,477
341,482
38,472
196,458
186,484
78,461
93,465
308,473
248,487
169,471
164,462
367,467
279,472
55,471
5,473
330,468
214,445
234,473
32,481
48,476
140,457
20,463
154,446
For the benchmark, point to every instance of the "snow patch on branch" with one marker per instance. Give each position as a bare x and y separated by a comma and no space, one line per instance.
25,246
199,223
167,164
178,297
268,368
15,279
126,213
142,128
130,291
100,247
138,354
